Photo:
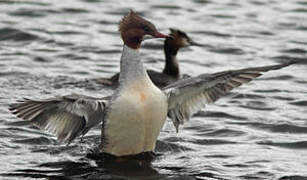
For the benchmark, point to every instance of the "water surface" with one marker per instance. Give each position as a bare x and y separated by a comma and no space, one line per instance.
258,131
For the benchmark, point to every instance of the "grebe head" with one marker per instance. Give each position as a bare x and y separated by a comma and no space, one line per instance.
179,39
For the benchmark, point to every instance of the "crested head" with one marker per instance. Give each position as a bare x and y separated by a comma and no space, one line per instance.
180,39
134,29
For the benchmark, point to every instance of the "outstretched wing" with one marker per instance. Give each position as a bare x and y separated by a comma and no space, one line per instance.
185,97
65,117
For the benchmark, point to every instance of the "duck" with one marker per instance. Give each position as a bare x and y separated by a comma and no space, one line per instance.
171,73
132,118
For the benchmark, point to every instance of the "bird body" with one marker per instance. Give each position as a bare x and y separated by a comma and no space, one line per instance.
134,121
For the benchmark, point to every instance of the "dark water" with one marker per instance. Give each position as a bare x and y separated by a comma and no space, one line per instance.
259,131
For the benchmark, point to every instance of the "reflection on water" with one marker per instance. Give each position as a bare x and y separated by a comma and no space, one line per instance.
95,167
259,131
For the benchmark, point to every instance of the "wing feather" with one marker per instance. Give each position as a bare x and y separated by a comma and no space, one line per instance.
65,117
187,96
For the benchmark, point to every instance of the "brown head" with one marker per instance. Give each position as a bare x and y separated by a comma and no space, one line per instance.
179,39
134,29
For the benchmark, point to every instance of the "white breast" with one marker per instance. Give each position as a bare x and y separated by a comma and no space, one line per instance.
135,119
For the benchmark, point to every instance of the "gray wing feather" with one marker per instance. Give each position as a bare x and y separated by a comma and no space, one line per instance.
186,97
66,117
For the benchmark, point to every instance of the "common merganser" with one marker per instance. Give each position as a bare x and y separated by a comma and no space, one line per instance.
133,116
171,71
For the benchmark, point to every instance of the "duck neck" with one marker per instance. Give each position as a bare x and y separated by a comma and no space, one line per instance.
171,67
131,66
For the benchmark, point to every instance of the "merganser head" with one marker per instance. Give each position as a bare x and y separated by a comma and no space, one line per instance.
180,39
134,29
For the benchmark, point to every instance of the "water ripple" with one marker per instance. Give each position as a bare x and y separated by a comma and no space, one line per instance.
291,145
213,33
14,2
219,115
12,34
293,178
31,13
277,128
295,50
299,103
50,48
235,51
223,133
212,141
74,10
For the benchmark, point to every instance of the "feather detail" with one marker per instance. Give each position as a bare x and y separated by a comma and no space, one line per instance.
187,96
66,117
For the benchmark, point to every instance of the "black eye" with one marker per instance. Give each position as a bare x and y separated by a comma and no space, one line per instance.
146,29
